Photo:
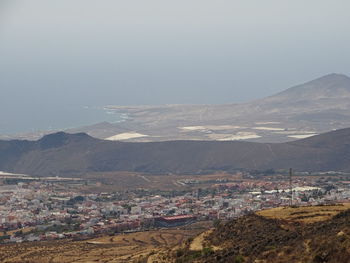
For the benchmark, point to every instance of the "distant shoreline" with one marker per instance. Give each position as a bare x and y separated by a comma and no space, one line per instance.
63,119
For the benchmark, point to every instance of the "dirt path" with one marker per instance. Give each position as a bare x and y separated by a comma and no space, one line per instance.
198,242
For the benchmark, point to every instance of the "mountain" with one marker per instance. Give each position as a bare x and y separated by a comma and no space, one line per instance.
315,107
76,154
322,98
324,88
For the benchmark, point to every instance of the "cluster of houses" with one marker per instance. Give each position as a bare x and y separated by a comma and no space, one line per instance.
39,211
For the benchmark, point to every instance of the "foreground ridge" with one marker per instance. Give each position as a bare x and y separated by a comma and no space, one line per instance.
256,238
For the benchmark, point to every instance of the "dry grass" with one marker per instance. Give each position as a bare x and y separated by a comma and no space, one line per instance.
309,214
112,181
24,230
199,242
109,249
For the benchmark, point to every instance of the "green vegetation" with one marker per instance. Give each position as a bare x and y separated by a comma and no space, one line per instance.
238,259
184,255
216,223
77,199
4,237
206,251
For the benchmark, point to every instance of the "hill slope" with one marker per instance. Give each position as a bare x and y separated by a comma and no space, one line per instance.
75,154
254,238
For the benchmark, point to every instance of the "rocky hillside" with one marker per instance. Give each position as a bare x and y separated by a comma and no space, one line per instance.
254,238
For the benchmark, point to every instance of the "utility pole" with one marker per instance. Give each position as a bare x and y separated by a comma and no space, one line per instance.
291,186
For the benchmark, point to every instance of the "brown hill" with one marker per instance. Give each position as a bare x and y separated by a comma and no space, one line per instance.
75,154
254,238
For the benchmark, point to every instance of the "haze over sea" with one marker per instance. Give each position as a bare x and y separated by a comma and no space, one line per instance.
56,57
59,119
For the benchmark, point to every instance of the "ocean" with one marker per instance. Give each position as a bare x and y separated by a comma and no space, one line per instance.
58,119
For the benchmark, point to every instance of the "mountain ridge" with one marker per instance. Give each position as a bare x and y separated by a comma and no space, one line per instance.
326,87
65,154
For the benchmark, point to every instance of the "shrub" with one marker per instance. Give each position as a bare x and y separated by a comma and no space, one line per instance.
180,252
239,259
206,251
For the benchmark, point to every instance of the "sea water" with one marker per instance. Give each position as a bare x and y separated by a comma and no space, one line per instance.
59,119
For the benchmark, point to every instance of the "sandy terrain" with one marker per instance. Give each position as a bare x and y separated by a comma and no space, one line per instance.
302,136
267,122
211,127
126,136
268,128
233,137
192,128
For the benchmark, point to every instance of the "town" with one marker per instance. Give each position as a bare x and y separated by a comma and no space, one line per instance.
35,210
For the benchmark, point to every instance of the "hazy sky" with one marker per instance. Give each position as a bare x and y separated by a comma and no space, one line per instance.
97,52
